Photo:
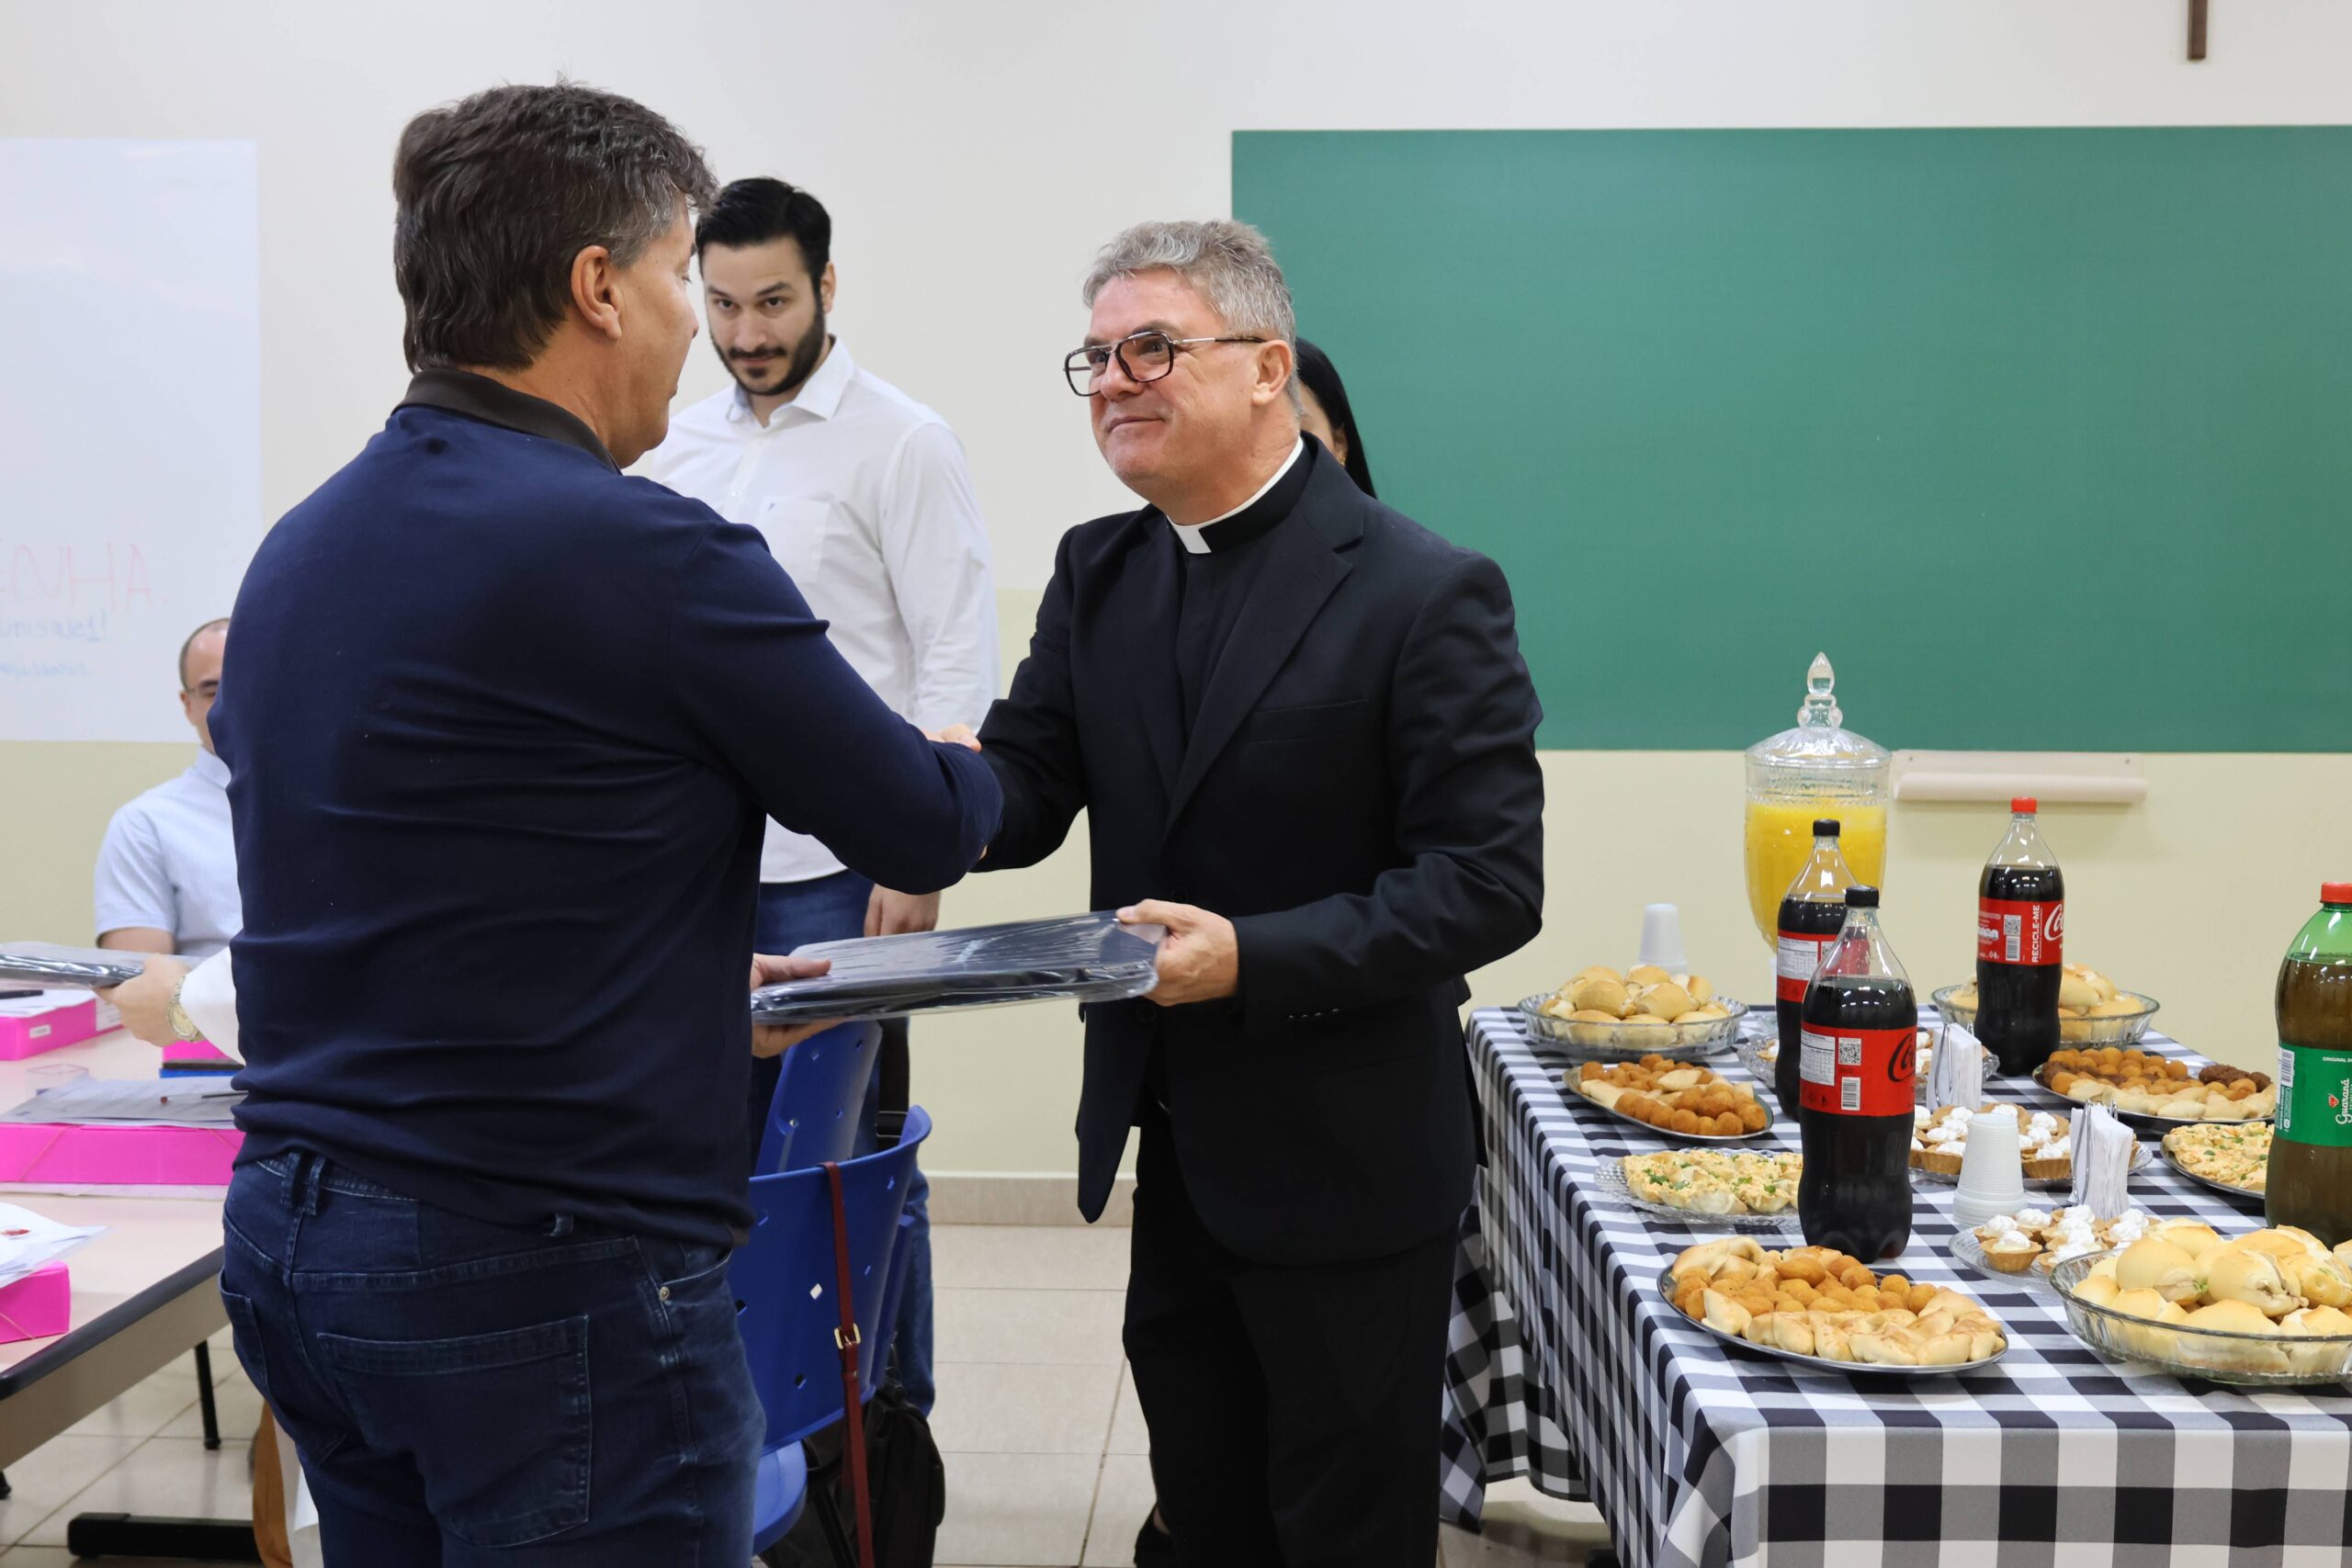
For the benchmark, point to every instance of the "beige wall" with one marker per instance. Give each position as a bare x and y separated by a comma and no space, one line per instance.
2191,898
973,160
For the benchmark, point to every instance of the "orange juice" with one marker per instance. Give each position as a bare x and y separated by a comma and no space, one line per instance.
1779,839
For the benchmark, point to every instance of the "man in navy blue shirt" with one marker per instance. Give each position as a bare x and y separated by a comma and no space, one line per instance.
503,727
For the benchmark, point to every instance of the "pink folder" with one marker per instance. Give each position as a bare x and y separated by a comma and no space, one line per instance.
38,1305
69,1154
28,1034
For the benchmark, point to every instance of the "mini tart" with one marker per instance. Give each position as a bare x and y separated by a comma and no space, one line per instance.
1939,1162
1945,1159
2041,1168
2008,1260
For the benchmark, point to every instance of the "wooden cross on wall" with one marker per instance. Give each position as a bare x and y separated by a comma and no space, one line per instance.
2196,29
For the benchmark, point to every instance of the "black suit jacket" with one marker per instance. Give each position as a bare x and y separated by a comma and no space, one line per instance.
1359,797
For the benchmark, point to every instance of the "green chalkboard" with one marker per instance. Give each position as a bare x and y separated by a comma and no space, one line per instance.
2045,435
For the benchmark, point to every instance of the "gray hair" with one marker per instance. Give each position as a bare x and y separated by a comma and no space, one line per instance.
1228,261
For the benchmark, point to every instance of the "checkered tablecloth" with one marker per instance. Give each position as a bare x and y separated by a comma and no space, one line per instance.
1568,1367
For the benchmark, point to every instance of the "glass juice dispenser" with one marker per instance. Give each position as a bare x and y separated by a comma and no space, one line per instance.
1818,769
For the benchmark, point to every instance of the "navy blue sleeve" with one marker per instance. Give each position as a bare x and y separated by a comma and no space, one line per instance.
817,747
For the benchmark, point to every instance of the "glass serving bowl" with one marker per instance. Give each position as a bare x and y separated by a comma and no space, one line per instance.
2258,1360
1585,1041
2121,1029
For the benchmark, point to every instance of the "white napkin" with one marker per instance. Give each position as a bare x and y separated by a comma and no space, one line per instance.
2102,1147
1956,1077
28,1242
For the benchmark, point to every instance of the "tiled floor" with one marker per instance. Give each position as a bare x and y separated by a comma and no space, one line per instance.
1044,1444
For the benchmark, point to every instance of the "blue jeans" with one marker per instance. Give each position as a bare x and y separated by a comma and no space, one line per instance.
832,909
435,1373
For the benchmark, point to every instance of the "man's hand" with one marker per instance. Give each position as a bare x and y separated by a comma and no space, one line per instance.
1201,960
146,1000
888,913
772,969
954,735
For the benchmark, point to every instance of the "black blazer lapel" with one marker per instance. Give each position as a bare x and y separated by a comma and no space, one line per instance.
1282,603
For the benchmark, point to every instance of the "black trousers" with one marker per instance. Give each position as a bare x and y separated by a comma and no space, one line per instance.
1293,1411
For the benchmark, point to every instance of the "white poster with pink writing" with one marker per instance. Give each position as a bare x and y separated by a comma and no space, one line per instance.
130,424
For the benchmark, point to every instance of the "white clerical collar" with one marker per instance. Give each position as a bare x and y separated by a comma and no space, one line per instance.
1189,534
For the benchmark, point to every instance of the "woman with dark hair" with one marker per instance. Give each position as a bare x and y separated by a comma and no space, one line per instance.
1327,416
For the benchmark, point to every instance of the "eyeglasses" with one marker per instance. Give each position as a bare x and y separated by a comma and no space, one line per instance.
1145,357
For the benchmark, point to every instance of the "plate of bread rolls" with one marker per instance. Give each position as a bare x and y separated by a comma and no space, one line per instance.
2269,1307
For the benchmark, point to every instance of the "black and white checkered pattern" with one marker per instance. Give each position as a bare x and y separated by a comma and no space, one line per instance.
1697,1453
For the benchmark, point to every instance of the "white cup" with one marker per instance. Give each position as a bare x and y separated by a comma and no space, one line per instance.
1992,1178
1662,938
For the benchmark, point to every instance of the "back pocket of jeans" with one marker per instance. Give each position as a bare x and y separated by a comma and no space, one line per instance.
500,1424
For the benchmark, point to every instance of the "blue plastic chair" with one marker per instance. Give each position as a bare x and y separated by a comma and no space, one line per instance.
783,1282
813,1115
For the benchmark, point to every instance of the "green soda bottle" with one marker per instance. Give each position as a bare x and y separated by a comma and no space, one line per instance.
2311,1152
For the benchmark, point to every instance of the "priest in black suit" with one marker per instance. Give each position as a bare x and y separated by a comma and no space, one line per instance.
1304,737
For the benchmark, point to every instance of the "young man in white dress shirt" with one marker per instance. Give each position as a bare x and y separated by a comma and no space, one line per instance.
166,878
863,496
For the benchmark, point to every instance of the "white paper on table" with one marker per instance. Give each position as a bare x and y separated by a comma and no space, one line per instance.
1956,1077
29,1242
49,1000
131,1102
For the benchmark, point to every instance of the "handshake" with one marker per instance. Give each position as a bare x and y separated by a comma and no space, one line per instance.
1201,959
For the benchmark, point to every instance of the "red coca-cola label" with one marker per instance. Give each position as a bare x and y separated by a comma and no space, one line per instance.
2012,931
1801,956
1858,1072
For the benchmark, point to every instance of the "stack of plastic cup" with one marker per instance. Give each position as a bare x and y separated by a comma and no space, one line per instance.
1992,1176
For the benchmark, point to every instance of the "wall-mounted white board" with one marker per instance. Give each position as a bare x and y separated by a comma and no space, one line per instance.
129,423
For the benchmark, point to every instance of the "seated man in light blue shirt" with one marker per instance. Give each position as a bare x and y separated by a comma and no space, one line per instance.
167,872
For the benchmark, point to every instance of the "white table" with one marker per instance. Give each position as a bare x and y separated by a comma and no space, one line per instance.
145,1293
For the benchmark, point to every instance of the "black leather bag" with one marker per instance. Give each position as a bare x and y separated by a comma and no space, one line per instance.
907,1481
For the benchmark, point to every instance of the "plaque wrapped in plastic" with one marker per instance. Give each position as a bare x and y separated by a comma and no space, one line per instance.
46,963
1086,958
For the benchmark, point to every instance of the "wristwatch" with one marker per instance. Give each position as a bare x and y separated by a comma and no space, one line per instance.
182,1026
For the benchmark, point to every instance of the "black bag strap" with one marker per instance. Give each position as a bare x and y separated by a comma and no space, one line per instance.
890,1114
853,1407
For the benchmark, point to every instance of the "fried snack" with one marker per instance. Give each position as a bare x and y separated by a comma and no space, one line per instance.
1811,1301
2155,1084
1674,1097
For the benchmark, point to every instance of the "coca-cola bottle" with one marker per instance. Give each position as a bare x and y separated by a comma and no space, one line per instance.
1859,1040
2021,941
1813,911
